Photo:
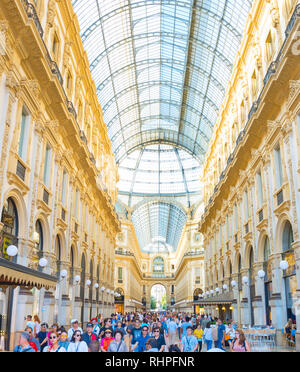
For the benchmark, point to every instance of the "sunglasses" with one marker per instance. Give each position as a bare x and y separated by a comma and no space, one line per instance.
78,335
53,338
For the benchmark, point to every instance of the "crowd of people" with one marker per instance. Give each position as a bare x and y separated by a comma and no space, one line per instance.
135,332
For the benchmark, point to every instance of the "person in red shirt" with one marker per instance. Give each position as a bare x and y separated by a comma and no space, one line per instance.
106,340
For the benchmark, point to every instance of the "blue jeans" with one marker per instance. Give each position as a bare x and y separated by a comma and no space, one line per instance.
209,344
220,344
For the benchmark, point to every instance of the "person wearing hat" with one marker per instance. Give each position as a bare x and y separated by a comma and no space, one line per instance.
106,340
75,327
24,346
89,336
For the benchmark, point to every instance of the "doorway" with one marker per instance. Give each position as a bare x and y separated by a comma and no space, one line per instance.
158,298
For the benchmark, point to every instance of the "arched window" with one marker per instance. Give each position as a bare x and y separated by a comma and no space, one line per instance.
266,249
72,257
10,218
58,248
58,254
251,284
251,258
39,231
287,237
158,265
10,231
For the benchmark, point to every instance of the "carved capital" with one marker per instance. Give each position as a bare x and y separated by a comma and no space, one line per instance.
52,124
11,81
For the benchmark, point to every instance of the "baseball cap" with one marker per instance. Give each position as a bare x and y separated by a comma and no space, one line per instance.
74,321
90,325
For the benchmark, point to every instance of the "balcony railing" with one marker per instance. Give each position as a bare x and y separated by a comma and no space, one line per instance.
123,253
159,276
198,252
31,13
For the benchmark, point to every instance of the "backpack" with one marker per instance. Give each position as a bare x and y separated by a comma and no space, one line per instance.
215,333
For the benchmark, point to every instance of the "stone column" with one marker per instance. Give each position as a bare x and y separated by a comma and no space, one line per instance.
278,299
64,301
76,300
87,304
296,247
94,302
236,300
245,305
258,302
49,304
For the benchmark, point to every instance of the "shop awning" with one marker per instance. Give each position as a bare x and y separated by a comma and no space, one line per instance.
14,275
226,298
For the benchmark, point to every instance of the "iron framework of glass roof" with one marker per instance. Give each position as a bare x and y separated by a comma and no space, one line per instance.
161,68
156,220
159,170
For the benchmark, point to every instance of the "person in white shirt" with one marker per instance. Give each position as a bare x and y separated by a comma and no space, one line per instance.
77,345
74,328
29,322
54,347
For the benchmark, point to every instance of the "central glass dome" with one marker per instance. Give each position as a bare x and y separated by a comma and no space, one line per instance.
159,170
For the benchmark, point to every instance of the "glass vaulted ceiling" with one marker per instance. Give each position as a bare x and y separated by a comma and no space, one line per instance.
161,68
